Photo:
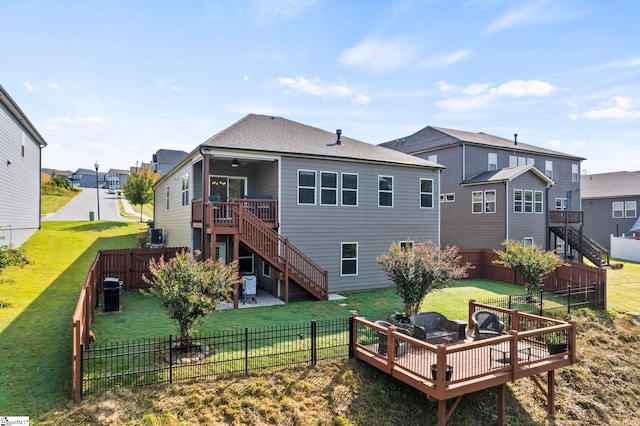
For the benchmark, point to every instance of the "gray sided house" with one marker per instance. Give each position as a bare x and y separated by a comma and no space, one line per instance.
610,202
495,188
116,178
304,210
86,178
164,160
20,162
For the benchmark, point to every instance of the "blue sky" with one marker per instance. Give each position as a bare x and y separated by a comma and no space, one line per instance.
115,81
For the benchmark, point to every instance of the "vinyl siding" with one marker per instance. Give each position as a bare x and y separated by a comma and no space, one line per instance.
176,220
599,222
20,182
461,228
527,225
319,230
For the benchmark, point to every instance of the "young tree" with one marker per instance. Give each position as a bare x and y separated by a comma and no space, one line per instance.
418,271
139,187
190,289
530,262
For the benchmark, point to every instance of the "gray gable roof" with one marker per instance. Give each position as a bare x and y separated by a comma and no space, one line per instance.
506,174
436,137
277,135
15,110
607,185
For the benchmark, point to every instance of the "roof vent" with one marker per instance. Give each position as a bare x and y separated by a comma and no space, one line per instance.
515,139
338,133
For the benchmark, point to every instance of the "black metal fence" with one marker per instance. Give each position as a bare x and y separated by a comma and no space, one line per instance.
150,361
553,304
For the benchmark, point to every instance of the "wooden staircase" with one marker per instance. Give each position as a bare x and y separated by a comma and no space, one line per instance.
280,253
586,246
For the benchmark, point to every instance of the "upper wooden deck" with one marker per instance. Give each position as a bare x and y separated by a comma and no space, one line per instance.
477,365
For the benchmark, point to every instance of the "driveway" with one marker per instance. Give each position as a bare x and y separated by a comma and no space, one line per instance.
85,202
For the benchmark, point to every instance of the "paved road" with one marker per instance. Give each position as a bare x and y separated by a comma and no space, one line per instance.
85,202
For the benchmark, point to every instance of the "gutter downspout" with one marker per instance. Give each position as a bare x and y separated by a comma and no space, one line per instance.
464,166
439,205
40,187
506,208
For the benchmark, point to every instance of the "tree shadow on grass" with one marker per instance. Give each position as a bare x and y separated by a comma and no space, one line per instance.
94,226
35,348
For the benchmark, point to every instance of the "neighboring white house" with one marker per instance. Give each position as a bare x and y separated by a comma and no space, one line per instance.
20,163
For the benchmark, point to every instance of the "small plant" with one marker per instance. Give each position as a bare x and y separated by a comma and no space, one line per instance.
10,257
420,270
530,262
190,289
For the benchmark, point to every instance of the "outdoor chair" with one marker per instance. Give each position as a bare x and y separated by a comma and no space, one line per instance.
401,347
486,324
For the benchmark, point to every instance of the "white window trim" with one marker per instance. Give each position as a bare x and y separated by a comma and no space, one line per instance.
404,244
575,173
492,160
442,198
315,188
521,201
626,209
386,190
473,203
450,197
268,270
342,259
427,193
548,168
620,209
537,204
328,188
343,190
528,203
528,240
563,202
495,201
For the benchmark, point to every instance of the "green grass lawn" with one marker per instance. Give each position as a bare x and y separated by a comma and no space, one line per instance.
623,287
35,332
55,198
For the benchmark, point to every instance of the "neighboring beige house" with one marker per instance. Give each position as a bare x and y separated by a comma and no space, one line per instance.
20,177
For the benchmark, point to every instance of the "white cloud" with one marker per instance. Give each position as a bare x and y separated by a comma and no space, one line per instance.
245,78
541,12
519,88
53,86
28,86
361,99
316,87
94,123
475,89
446,59
622,63
480,95
380,56
614,108
446,87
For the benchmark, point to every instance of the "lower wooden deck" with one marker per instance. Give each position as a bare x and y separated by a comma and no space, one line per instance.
475,365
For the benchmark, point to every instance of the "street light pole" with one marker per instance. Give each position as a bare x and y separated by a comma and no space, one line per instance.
97,189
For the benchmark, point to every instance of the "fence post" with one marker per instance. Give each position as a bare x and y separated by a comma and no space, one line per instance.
170,359
81,359
351,336
509,303
314,356
569,299
246,350
541,295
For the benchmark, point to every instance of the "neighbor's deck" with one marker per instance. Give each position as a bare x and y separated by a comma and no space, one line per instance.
475,365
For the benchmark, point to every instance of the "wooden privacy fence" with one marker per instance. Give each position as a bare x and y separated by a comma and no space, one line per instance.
570,276
128,265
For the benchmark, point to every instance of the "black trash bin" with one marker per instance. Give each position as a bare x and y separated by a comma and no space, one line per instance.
111,288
